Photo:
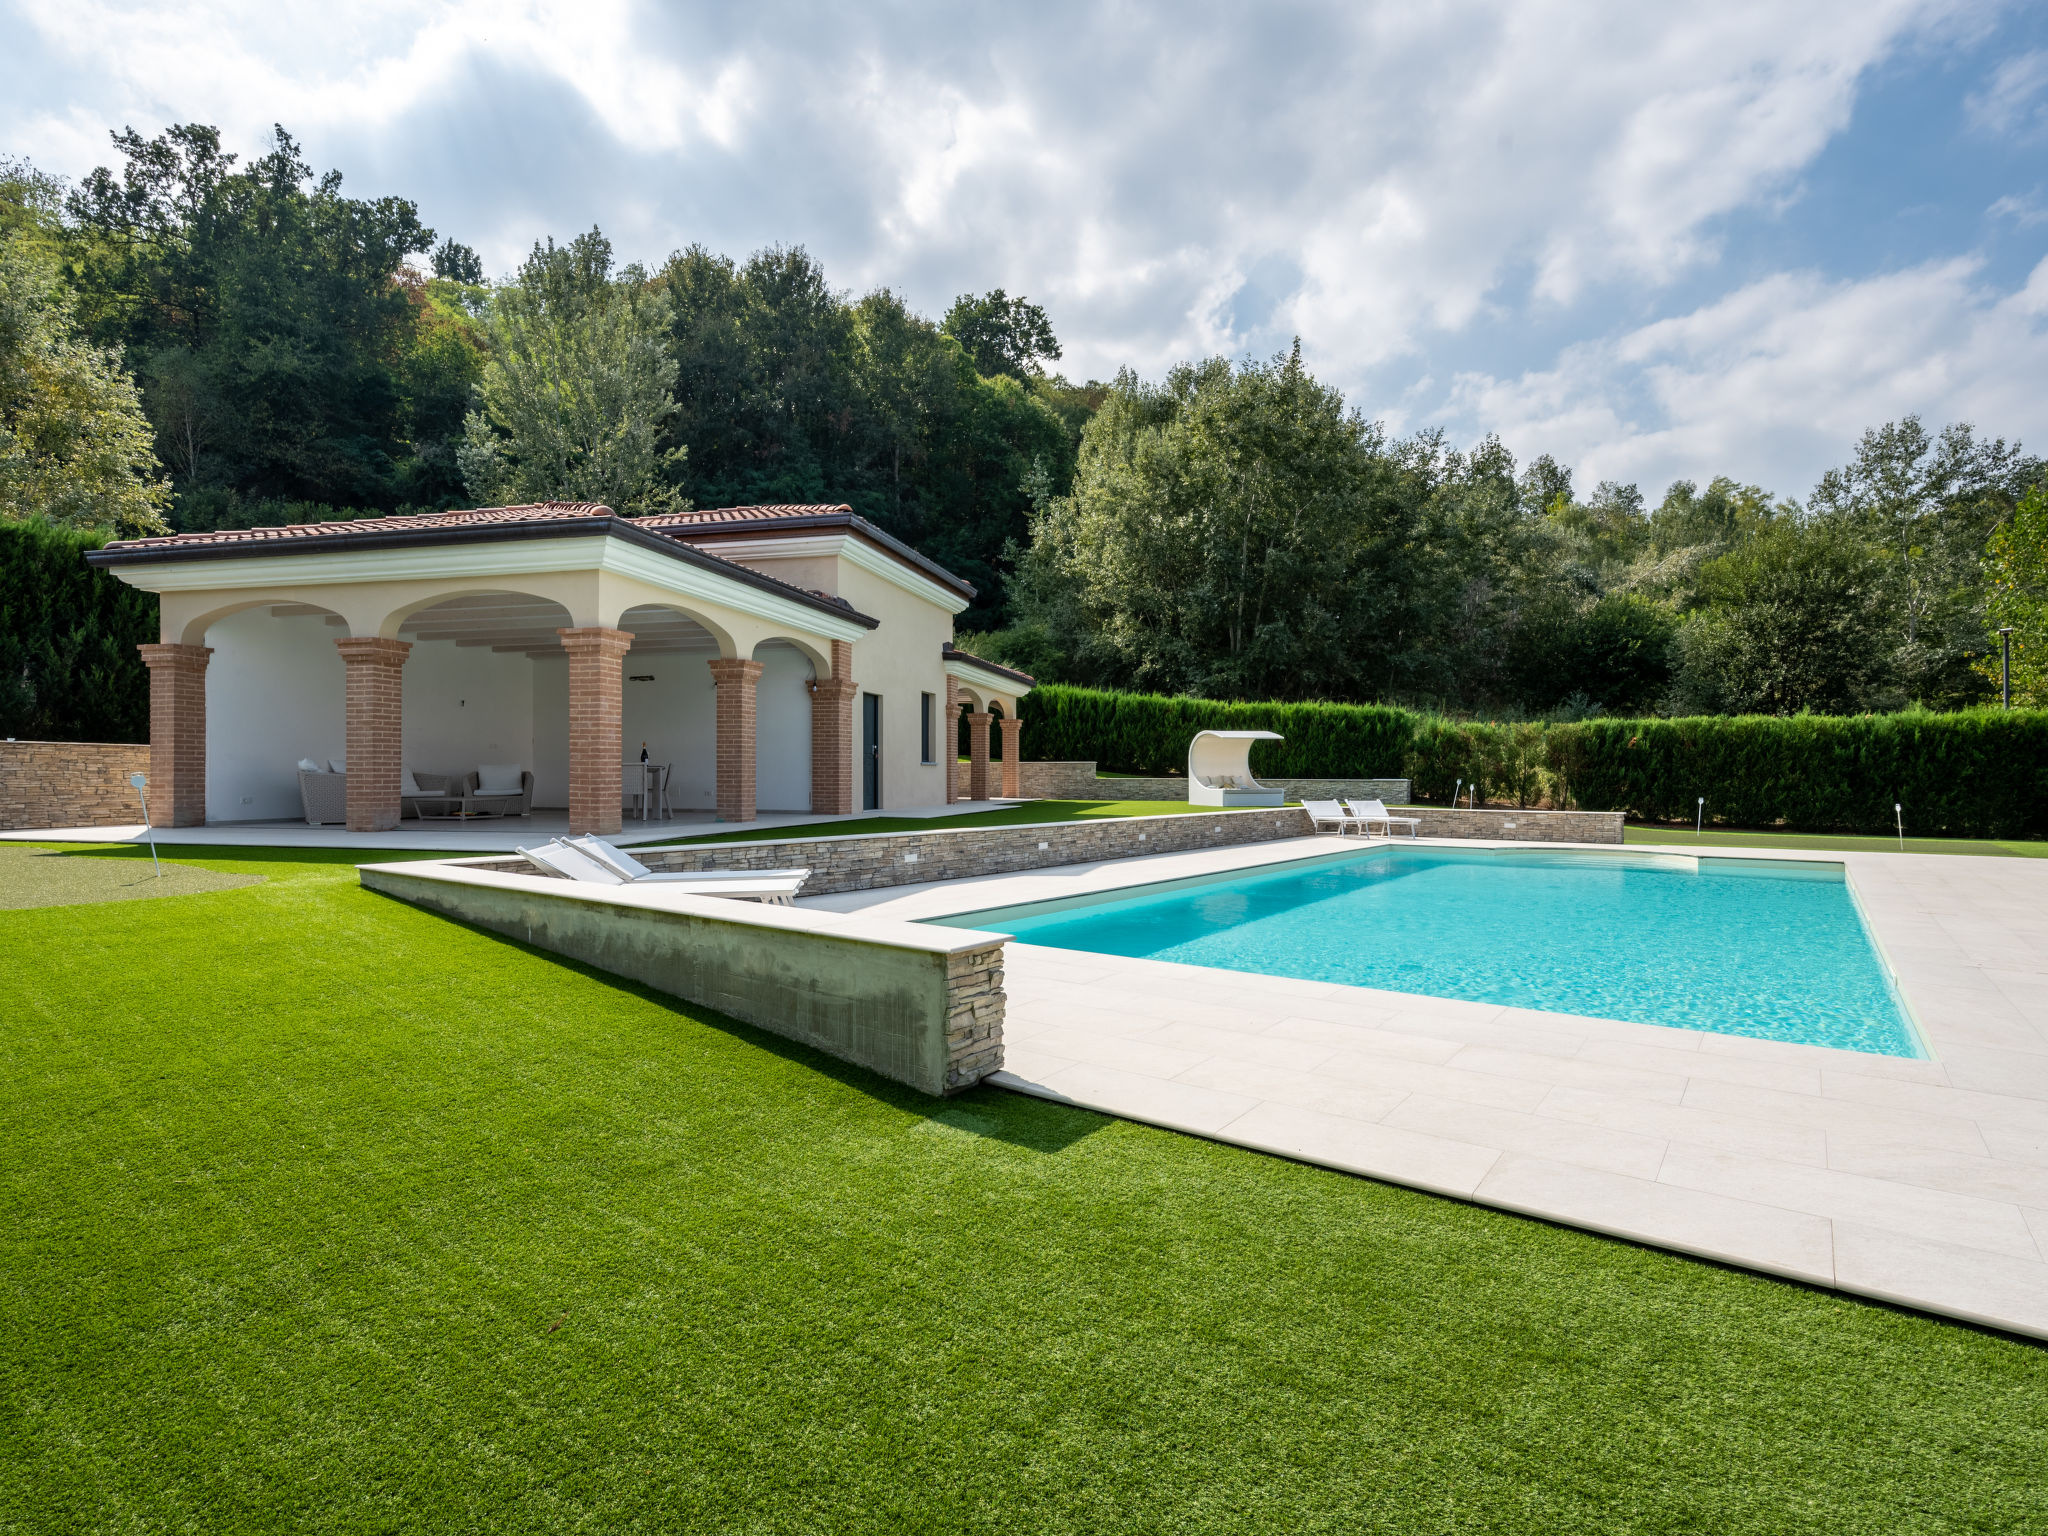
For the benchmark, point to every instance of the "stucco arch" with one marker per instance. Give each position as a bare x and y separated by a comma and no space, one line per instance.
192,629
721,634
820,660
395,616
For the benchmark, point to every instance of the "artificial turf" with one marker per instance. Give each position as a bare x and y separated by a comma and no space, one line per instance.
325,1214
1837,843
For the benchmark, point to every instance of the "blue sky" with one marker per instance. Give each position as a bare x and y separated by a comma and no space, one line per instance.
1656,242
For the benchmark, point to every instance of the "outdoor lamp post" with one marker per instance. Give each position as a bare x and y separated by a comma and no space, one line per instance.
2005,668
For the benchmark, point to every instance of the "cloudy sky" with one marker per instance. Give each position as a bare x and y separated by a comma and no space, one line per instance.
1653,240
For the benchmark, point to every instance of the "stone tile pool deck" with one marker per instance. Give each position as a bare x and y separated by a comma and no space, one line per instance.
1918,1182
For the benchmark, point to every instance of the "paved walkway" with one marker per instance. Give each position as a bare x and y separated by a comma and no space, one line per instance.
1922,1182
494,834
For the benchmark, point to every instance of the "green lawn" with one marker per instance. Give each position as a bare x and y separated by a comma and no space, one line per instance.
326,1215
1984,847
1030,813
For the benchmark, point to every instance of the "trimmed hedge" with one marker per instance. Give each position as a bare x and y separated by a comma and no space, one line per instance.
1148,733
69,670
1982,774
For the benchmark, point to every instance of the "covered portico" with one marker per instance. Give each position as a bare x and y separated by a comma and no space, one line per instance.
559,637
989,694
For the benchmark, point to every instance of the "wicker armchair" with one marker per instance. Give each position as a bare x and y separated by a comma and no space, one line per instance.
324,796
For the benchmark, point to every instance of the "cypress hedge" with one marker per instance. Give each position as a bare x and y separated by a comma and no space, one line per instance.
1980,774
69,670
1148,733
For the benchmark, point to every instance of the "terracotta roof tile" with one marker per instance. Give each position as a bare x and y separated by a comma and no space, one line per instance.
761,514
540,511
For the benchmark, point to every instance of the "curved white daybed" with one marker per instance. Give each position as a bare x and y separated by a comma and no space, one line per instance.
1220,769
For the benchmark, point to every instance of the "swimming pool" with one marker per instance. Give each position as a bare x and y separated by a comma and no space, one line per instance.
1770,948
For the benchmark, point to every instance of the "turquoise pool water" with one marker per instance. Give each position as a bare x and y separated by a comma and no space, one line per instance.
1742,947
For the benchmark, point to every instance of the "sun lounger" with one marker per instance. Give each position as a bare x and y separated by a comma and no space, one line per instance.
1373,813
631,870
570,861
1322,813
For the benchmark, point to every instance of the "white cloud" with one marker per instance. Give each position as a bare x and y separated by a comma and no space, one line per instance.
2015,100
1772,383
1383,180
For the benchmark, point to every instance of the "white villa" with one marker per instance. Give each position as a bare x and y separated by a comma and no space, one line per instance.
779,658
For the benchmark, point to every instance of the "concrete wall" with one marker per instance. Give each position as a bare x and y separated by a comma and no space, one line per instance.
911,1003
274,694
550,677
1078,781
69,783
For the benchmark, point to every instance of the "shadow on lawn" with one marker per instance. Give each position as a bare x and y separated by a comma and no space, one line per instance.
1037,1125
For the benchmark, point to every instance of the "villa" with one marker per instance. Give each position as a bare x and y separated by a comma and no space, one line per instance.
782,658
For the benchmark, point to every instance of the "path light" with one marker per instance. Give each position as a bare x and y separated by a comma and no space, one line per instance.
141,783
1699,819
1899,812
1457,792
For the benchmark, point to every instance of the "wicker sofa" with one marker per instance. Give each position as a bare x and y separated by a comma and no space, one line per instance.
456,794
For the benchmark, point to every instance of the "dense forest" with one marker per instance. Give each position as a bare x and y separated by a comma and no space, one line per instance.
189,340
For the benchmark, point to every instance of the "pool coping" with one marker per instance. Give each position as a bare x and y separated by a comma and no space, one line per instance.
1922,1183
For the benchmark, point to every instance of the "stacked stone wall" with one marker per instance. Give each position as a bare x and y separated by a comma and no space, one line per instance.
974,1016
1520,826
1078,781
70,783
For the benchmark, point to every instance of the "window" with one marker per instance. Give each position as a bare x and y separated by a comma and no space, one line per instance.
924,718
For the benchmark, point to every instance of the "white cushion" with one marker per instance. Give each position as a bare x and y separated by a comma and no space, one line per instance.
336,765
307,765
500,779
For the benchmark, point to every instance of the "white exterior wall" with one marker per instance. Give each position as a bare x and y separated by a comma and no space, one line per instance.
782,729
551,732
466,706
274,694
899,661
677,716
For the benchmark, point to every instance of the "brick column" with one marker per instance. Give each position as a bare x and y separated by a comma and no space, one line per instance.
374,717
832,735
1013,764
596,754
977,755
949,753
177,733
735,680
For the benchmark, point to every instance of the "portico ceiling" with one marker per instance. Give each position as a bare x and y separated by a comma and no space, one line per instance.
515,624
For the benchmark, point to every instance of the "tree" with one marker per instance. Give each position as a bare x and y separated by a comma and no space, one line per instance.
1230,533
458,263
1002,334
575,391
2017,564
1928,503
1796,619
263,309
74,443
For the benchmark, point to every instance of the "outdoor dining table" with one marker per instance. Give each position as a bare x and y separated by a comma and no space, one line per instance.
640,784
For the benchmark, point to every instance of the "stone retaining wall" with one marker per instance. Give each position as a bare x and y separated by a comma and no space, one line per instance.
974,1016
1078,781
69,783
1520,826
956,853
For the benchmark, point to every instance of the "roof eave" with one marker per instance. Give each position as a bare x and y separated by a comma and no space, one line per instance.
487,533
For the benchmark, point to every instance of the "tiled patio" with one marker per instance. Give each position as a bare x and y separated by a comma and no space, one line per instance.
1921,1182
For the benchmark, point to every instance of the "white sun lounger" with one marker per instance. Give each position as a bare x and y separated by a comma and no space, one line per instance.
1324,812
1373,813
570,861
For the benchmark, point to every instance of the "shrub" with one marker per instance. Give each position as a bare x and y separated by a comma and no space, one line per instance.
1979,774
1149,733
69,670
